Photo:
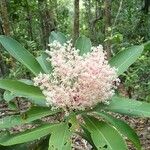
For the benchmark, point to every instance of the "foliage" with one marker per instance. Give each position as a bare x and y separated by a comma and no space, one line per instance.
99,134
137,78
129,25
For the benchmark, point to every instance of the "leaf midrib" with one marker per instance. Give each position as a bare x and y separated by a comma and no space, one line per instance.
13,138
99,132
127,59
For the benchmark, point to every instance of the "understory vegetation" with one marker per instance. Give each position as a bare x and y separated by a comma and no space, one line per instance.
69,72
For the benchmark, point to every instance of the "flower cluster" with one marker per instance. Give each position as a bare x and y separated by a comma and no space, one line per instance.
77,82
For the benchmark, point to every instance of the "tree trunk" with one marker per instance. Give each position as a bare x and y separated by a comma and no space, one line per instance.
5,17
47,21
76,20
89,19
29,20
107,22
4,30
146,6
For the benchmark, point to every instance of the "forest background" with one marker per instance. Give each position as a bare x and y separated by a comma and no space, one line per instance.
112,23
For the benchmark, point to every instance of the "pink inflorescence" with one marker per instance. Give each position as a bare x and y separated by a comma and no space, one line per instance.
77,82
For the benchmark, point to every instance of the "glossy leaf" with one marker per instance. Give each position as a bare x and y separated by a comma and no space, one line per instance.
57,36
27,117
103,135
23,90
126,58
26,81
87,136
29,135
21,54
127,106
46,66
83,44
8,96
60,138
122,127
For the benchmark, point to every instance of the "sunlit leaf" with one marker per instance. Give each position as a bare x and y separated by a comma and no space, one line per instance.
122,127
27,117
23,90
46,66
127,106
60,138
21,54
103,135
126,58
29,135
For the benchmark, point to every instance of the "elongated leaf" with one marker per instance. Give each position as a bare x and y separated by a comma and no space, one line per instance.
23,90
26,81
57,36
21,54
87,136
8,96
42,144
31,115
29,135
83,44
125,58
127,106
60,138
46,66
103,135
15,147
147,46
123,127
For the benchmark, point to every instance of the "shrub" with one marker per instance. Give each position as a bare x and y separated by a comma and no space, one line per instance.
97,125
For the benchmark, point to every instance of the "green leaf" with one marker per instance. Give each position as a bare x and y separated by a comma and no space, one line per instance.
127,106
147,46
83,44
26,81
123,128
1,97
21,54
87,136
29,135
125,58
46,66
15,147
57,36
23,90
29,116
60,138
103,135
8,96
12,106
41,144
